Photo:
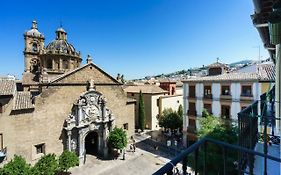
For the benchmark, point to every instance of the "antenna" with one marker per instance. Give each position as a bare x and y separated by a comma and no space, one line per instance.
61,24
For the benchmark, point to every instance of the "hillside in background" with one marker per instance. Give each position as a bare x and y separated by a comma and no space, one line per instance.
191,71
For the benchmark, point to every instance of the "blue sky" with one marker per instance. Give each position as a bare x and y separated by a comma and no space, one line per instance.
135,37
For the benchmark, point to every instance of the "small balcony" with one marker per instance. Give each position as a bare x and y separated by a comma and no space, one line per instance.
225,96
246,97
208,96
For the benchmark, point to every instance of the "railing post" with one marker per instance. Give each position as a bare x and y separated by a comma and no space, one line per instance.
196,161
205,158
250,157
224,160
265,144
184,165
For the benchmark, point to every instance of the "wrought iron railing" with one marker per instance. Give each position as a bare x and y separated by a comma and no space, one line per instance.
183,158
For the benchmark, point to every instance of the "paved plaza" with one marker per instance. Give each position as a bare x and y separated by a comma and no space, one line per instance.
139,163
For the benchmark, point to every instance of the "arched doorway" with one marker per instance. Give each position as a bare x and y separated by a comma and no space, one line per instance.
91,143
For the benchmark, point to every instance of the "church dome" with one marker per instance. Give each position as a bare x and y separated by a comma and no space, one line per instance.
34,31
60,46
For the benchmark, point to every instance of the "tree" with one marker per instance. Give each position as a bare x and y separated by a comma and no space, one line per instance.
67,160
47,165
170,119
141,112
117,138
216,128
180,111
17,166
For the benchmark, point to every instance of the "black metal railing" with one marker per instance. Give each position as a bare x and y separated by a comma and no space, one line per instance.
247,135
183,157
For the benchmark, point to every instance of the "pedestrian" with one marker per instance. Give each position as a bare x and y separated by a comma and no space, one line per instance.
133,144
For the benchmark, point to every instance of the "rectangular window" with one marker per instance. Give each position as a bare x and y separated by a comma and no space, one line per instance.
158,102
133,94
40,148
225,111
208,107
192,109
192,91
207,92
225,90
246,91
126,126
1,142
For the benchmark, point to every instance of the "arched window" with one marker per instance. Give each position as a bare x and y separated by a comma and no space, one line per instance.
34,47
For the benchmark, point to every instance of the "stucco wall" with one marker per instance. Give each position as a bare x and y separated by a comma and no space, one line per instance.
171,102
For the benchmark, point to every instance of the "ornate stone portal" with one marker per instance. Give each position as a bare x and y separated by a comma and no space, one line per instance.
89,114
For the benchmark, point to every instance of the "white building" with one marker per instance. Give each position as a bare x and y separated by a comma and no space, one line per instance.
223,95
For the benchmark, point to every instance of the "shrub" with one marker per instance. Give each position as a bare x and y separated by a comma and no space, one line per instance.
117,138
17,166
47,165
67,160
170,119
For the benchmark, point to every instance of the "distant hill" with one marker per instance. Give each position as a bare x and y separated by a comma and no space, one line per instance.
243,62
183,72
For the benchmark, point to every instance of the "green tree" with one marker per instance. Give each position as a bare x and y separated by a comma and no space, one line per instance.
17,166
117,138
180,111
170,119
141,112
67,160
216,128
47,165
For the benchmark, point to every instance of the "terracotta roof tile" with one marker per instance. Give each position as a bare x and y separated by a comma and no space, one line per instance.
23,101
267,72
7,87
235,76
145,89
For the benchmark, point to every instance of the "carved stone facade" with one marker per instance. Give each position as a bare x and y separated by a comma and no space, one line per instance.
89,114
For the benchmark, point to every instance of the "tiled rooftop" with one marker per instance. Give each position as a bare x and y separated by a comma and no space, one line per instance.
145,89
7,87
23,101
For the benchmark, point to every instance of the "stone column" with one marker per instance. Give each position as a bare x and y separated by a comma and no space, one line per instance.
104,139
69,140
61,66
81,148
80,112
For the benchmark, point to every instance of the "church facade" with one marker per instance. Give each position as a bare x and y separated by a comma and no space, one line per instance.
60,104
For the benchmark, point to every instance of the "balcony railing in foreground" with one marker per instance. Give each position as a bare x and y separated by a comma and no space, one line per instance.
193,152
